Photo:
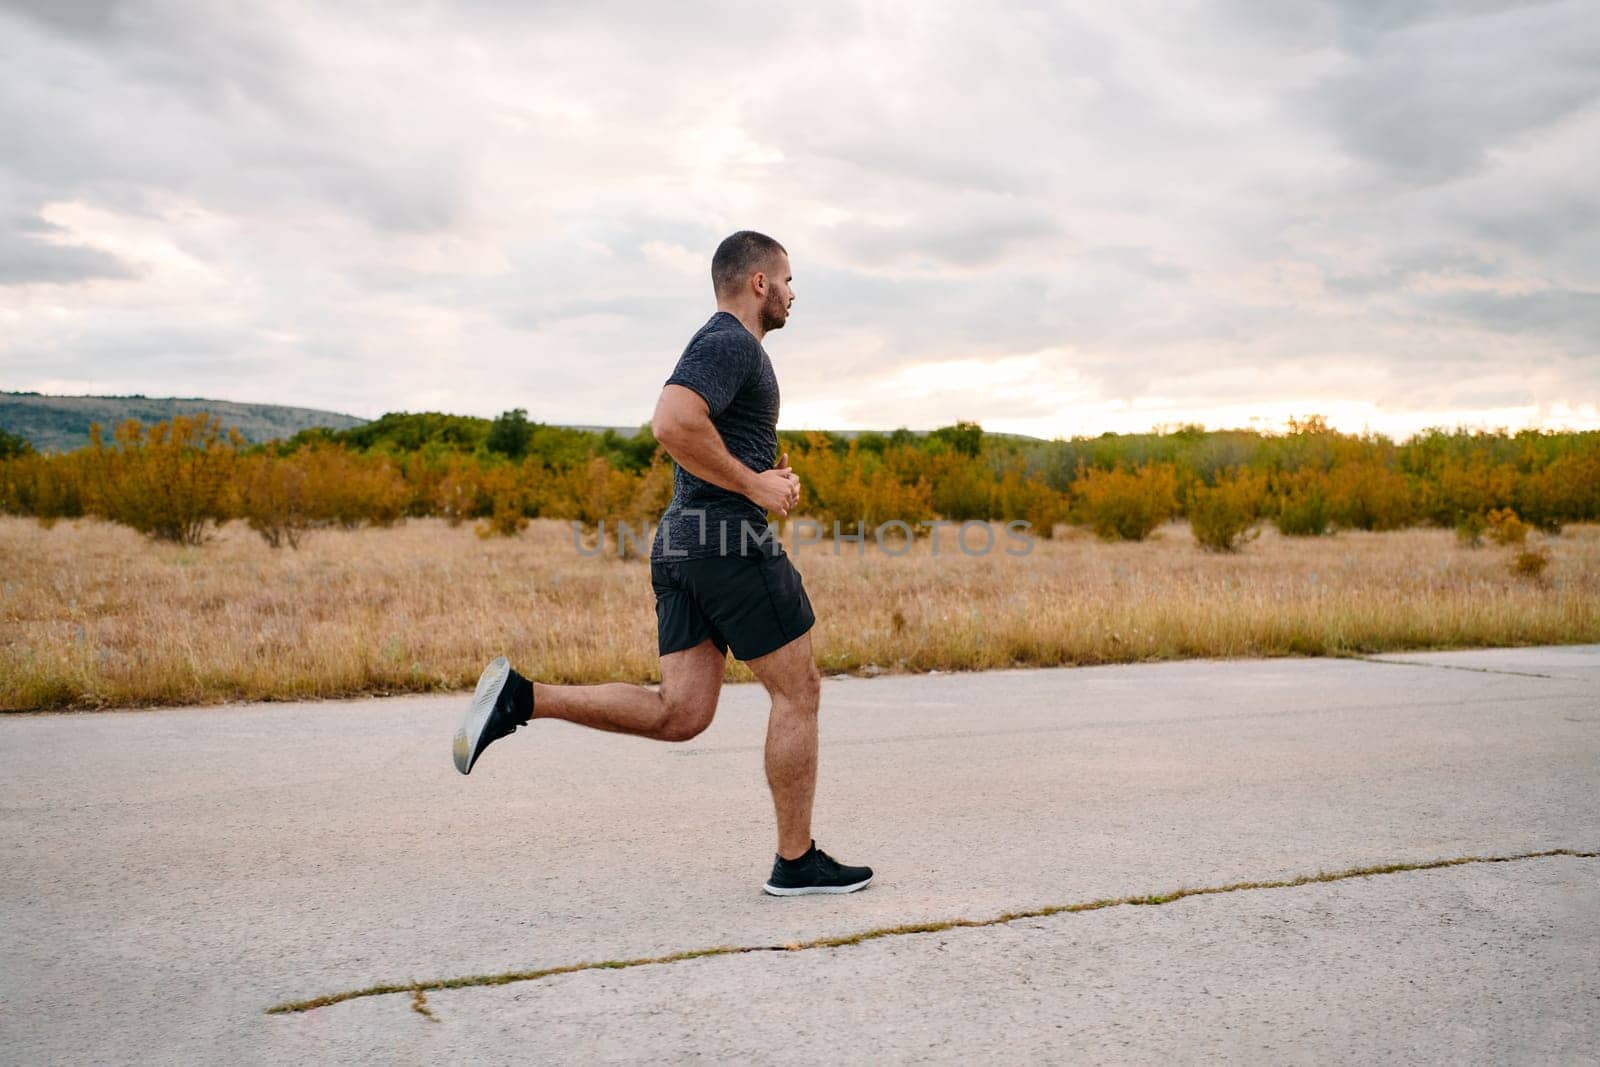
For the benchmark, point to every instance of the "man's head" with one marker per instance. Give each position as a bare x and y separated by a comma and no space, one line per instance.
750,272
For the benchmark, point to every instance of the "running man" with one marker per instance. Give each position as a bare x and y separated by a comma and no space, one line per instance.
721,578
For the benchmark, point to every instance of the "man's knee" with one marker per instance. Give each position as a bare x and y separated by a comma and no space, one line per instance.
812,684
791,676
803,691
685,719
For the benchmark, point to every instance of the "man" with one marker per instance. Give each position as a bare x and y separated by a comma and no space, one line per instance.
720,576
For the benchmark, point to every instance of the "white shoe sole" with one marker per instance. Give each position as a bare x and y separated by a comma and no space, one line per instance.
806,890
469,735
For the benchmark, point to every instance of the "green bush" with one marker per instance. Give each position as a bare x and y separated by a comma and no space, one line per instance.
1469,530
1224,516
1301,506
13,445
964,438
510,434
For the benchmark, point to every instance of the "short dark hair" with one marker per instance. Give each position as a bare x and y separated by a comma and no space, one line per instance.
739,256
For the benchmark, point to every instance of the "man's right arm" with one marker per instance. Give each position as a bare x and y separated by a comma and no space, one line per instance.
682,425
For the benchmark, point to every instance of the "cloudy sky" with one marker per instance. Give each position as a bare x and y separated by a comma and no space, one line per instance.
1054,219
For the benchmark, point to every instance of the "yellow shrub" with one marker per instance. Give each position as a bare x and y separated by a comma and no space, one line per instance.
857,488
1568,490
454,490
1505,528
1462,488
1530,563
350,488
1019,495
171,480
652,492
507,519
1369,496
1224,516
46,487
1123,505
275,498
961,486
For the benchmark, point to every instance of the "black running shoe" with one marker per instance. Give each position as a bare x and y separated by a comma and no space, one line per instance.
815,872
502,702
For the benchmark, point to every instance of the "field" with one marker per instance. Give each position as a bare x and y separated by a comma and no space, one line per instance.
93,615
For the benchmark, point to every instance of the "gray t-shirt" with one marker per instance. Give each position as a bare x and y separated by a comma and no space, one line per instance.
727,366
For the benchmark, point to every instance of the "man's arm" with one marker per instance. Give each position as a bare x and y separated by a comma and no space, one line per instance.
682,424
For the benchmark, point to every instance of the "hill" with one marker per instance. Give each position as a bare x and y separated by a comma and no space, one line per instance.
61,423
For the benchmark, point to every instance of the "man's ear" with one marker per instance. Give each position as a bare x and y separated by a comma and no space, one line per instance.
758,281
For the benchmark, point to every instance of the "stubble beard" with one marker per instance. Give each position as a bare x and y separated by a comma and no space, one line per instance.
773,314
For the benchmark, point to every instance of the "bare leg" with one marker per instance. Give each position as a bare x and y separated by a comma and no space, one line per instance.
691,681
790,675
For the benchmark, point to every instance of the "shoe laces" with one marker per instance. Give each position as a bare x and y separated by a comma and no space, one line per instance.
503,720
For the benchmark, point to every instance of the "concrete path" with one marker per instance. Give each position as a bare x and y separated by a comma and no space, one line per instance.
168,876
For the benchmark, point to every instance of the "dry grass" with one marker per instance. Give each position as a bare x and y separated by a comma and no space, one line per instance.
94,615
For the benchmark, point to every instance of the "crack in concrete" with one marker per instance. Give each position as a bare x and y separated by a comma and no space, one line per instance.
419,1004
1459,667
420,989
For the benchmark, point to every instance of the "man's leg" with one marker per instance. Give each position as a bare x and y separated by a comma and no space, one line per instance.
691,681
790,675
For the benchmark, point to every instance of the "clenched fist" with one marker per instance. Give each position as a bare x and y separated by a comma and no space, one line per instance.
777,489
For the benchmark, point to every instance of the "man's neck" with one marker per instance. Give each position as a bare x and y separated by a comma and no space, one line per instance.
750,319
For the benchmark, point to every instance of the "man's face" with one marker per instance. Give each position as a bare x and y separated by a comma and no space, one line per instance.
775,308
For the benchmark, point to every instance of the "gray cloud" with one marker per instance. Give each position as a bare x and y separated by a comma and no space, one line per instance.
1552,227
494,204
1433,94
87,17
1569,317
234,111
1411,267
966,235
28,257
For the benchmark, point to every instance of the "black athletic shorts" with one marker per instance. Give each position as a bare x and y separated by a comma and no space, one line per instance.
753,604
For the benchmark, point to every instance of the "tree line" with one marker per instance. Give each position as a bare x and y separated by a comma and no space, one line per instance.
178,479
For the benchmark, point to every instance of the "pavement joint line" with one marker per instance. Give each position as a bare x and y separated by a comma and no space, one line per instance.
1459,667
419,990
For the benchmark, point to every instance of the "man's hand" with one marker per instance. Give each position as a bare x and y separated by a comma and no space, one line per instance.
777,489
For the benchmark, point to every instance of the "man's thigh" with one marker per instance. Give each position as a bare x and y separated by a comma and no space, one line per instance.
693,676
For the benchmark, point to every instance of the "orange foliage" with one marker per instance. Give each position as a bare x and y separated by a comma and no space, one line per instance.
170,481
173,480
1364,495
1124,505
1221,517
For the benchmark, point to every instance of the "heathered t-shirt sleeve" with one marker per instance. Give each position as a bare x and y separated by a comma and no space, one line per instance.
717,365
